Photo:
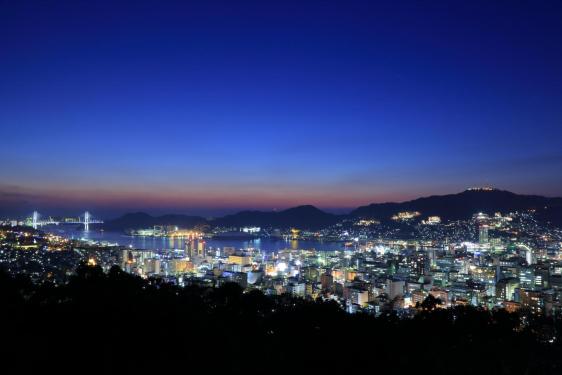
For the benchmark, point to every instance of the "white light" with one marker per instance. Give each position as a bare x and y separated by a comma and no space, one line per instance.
281,267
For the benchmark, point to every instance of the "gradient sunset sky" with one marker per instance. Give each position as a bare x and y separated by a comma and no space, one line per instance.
213,106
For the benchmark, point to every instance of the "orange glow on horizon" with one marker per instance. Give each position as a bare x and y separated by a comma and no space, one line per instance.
239,198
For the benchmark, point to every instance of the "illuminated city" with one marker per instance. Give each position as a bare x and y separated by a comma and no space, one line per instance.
280,187
493,260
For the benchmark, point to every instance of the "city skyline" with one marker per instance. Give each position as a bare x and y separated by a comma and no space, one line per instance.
281,186
212,108
45,211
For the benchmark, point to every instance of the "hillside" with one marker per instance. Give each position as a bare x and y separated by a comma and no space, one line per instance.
139,220
463,205
304,217
449,207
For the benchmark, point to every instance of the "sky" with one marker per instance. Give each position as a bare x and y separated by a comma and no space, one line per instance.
207,107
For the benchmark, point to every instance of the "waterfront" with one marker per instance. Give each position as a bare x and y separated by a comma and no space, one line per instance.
171,243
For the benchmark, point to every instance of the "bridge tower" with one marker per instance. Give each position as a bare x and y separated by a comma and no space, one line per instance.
35,219
86,221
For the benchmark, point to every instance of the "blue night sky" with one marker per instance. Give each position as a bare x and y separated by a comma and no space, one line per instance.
207,107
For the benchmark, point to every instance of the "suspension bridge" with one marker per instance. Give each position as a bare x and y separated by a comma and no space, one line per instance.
86,219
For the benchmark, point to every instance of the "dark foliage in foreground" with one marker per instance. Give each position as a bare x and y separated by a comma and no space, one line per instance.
117,323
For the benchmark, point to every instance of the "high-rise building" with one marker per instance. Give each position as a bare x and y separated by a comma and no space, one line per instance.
190,247
240,259
327,280
483,234
179,266
395,288
201,248
531,300
418,296
505,289
422,263
359,296
529,257
152,266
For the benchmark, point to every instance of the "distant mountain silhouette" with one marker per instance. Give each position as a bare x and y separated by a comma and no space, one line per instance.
463,205
449,207
139,220
304,217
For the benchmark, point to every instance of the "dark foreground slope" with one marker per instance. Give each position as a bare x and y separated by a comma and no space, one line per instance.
120,324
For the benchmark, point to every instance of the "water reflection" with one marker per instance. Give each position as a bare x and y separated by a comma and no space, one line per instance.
170,243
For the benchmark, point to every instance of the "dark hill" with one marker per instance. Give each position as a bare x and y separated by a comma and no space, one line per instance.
305,217
449,207
464,205
139,220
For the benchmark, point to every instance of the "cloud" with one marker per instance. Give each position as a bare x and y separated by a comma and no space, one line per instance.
11,192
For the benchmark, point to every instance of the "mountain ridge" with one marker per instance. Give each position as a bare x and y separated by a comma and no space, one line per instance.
137,220
455,206
462,205
306,216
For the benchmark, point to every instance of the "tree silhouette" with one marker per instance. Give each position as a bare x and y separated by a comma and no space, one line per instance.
120,323
430,303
